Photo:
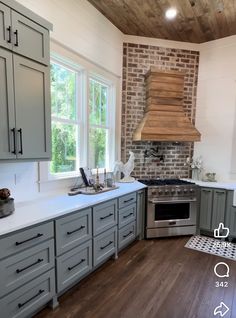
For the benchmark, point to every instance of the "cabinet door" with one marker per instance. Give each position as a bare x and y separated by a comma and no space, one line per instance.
230,218
7,116
32,104
5,27
206,208
218,208
140,218
30,39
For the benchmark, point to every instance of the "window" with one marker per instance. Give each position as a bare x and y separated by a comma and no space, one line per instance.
65,124
98,124
83,120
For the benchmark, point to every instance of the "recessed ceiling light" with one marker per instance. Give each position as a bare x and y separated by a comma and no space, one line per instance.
171,13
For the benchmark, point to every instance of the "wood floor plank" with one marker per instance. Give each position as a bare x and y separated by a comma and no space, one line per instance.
157,278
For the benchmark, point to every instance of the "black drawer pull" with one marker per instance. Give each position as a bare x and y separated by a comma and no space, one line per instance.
126,235
76,230
72,267
102,247
17,40
126,216
27,301
126,201
21,142
13,130
32,238
9,34
107,216
35,263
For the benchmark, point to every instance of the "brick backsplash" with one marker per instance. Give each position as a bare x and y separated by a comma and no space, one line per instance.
137,59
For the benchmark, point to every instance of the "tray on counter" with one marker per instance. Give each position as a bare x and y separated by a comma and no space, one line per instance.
91,191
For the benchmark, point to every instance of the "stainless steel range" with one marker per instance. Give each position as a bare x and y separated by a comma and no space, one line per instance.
171,207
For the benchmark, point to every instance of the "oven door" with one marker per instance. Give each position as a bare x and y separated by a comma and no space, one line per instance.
171,213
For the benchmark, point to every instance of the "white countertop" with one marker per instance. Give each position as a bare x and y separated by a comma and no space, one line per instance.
44,209
219,185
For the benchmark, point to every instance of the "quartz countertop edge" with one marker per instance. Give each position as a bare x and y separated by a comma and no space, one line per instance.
46,209
216,185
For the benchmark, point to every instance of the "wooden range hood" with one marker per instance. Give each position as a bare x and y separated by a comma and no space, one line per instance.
165,119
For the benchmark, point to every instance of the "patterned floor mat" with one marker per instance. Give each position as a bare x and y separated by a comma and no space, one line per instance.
212,246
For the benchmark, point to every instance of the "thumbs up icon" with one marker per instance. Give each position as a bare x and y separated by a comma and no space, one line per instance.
221,231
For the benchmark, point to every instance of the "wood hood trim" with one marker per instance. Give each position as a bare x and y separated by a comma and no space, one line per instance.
164,118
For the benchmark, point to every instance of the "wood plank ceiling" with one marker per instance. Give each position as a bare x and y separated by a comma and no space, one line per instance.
197,21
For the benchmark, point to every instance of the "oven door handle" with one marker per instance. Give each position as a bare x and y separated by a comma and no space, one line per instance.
172,201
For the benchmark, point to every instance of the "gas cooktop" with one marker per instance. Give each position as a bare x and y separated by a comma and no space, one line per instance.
163,182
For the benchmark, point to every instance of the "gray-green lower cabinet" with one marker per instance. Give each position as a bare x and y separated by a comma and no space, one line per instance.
212,208
140,215
104,245
126,235
26,300
73,265
230,219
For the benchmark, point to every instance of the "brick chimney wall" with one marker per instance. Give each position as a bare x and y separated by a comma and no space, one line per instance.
137,59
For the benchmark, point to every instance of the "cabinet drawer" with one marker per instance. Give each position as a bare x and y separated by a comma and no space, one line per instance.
127,215
73,265
73,230
126,235
104,216
25,266
24,301
104,245
18,242
127,199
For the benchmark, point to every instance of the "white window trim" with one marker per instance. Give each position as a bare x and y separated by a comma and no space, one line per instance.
85,74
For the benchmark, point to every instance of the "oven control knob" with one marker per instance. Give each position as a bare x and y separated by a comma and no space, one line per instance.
172,191
166,191
185,190
160,192
179,191
191,190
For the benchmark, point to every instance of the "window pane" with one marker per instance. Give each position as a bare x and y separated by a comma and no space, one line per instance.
63,92
97,103
97,147
63,147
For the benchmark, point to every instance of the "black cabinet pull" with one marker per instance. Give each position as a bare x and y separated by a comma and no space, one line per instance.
106,216
35,263
126,216
14,140
102,247
9,34
30,239
126,201
72,267
76,230
17,40
21,144
27,301
126,235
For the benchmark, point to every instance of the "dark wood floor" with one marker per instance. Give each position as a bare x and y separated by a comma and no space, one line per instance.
151,279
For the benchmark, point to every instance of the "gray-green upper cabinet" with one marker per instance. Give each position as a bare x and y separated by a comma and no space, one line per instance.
7,112
5,26
29,38
23,36
32,105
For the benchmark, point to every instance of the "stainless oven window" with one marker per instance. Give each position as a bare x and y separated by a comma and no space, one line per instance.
172,211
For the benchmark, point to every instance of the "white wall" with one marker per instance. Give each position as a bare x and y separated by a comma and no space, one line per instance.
216,107
83,29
